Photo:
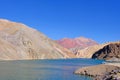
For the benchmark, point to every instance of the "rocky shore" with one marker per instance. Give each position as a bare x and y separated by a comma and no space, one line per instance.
110,70
100,72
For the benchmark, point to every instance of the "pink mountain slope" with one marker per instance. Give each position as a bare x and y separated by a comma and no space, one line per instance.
80,42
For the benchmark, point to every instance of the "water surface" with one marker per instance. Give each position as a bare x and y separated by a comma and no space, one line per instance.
61,69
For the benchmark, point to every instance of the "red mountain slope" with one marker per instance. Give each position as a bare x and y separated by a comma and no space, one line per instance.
80,42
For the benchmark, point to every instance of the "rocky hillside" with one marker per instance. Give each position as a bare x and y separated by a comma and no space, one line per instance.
109,51
77,44
18,41
80,42
89,51
110,70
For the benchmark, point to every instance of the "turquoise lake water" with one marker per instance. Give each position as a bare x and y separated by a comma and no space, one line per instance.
61,69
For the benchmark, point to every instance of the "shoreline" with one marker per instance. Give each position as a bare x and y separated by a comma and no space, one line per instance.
106,71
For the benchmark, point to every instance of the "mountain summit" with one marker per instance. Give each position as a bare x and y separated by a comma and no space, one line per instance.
80,42
18,42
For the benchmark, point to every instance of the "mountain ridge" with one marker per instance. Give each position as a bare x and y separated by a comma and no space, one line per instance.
76,44
27,43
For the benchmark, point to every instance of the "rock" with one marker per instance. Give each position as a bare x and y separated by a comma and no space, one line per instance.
99,72
107,52
18,42
113,75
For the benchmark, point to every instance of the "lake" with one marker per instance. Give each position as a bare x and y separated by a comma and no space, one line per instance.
59,69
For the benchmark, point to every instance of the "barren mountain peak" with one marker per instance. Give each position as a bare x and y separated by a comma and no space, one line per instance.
23,42
5,20
79,42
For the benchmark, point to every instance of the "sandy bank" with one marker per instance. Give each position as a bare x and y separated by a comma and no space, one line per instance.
100,72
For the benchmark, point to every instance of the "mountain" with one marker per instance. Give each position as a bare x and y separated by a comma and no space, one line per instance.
88,51
80,42
76,44
110,70
18,42
109,51
91,50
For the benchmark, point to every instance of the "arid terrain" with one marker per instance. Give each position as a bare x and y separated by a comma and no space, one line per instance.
18,42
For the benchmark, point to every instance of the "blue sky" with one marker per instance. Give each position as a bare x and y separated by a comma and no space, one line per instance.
95,19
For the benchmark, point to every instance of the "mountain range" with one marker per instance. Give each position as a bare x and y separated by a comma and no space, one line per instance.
18,41
76,44
80,42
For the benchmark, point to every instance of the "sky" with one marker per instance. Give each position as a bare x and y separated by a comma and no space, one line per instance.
95,19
